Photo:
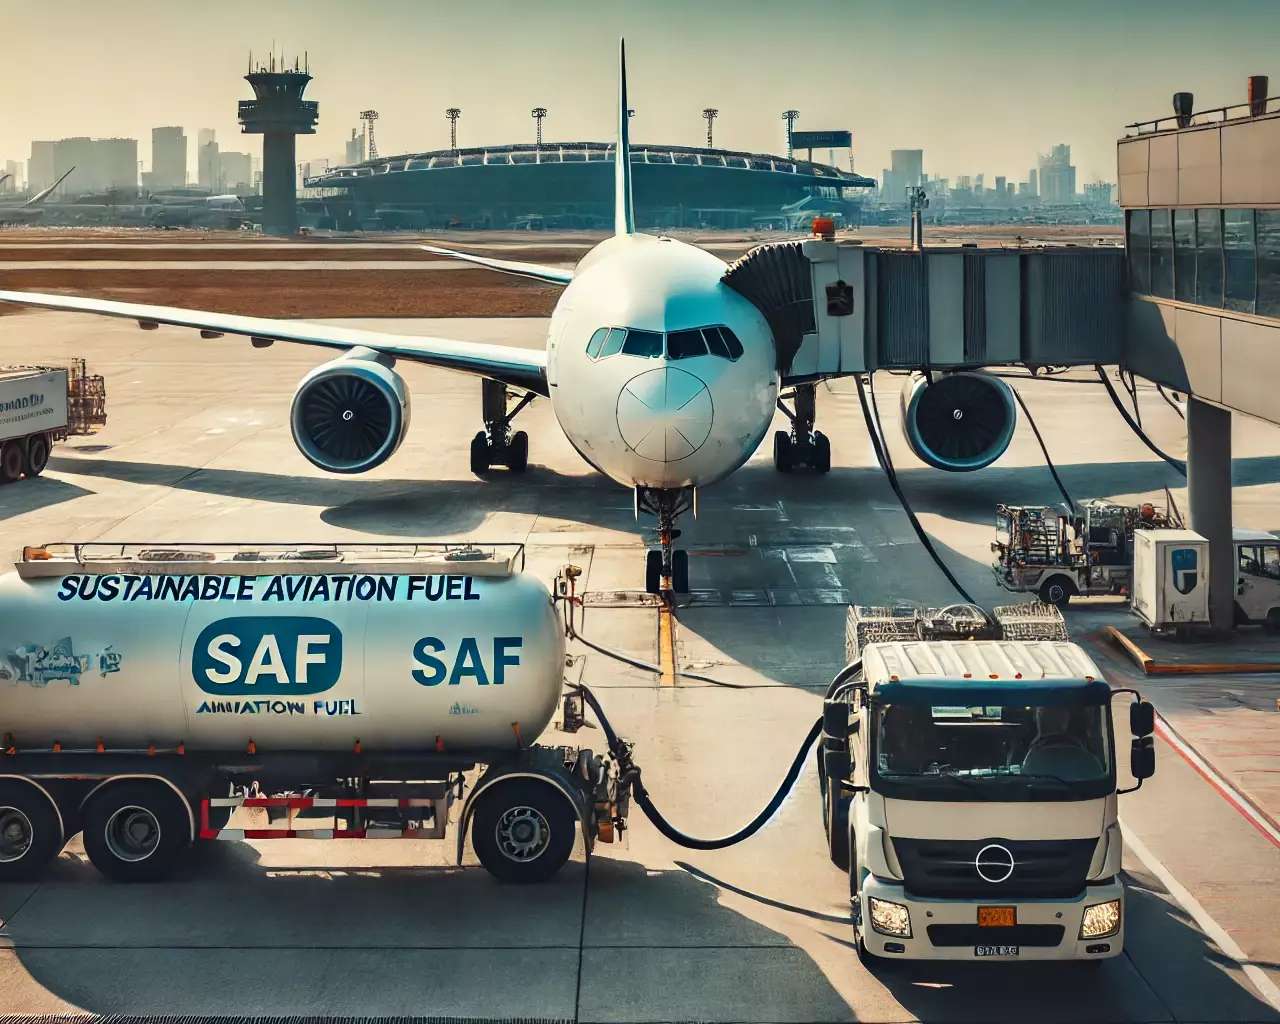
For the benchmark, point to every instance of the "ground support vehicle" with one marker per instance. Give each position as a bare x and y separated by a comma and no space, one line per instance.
40,405
1057,553
150,693
970,792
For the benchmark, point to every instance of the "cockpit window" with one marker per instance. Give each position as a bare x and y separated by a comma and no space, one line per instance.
613,344
685,345
647,344
723,342
597,339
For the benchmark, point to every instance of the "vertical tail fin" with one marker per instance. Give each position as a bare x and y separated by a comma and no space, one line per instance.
623,213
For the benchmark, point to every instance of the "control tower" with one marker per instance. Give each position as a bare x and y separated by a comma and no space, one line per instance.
278,113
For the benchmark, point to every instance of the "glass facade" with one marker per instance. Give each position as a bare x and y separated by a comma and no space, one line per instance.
1221,258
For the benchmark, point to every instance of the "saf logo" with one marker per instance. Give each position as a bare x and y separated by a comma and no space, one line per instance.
268,656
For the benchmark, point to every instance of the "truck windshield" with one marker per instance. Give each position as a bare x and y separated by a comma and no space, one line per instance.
1049,752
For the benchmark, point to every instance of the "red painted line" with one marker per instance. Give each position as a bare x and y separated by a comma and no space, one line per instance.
1251,814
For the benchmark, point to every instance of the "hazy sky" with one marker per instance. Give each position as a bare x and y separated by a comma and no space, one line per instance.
979,85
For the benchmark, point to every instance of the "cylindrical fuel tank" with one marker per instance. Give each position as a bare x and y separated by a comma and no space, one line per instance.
288,662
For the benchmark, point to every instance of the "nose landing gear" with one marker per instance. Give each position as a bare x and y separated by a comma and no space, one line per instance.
802,445
666,568
496,445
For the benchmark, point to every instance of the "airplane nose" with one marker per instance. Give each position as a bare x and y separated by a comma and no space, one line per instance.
665,414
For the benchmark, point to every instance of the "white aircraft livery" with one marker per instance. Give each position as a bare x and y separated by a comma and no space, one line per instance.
662,369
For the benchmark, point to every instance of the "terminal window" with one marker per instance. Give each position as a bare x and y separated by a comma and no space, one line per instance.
1219,258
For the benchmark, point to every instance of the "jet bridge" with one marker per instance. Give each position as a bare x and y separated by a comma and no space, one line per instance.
841,308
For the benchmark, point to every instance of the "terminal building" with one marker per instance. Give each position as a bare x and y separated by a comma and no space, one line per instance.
1202,206
570,185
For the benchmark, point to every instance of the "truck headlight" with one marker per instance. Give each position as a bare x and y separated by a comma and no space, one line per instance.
890,918
1100,920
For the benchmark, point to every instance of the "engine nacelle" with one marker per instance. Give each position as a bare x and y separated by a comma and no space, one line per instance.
961,422
351,414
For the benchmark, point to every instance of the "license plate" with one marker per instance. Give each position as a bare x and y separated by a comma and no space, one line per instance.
995,950
997,917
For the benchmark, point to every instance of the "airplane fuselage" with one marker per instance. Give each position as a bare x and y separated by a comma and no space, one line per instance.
675,401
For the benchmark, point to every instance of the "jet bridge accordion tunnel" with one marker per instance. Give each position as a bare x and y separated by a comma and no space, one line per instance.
940,314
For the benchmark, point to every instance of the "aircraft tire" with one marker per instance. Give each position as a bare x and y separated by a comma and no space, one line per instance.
782,455
653,571
480,454
518,453
680,571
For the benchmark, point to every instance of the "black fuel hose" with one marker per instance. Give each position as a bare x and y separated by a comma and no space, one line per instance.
1177,464
1044,449
882,455
631,775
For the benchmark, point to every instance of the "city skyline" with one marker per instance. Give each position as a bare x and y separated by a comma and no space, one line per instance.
1017,95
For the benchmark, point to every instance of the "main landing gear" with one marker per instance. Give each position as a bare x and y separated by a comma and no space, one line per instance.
803,446
496,445
666,568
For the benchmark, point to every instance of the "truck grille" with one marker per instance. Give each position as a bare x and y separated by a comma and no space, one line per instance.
1018,935
1041,869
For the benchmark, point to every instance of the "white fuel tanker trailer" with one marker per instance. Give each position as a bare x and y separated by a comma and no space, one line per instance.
151,695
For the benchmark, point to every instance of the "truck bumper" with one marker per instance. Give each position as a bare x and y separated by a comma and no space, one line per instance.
948,929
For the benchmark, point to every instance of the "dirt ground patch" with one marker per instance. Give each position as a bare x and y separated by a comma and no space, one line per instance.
306,294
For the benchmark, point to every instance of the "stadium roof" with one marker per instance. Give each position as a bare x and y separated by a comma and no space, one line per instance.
591,152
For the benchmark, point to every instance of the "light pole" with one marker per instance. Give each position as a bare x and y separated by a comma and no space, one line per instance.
710,114
453,113
368,117
538,113
790,116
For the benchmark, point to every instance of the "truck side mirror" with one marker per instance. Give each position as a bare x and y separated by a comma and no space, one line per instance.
1142,758
1142,718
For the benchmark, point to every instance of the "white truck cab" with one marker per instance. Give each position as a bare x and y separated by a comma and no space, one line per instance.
1257,578
970,790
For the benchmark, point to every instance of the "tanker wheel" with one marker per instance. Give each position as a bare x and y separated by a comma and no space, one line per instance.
12,461
37,455
136,831
30,832
523,831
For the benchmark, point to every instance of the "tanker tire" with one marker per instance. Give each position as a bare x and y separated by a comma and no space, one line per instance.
37,455
30,835
119,826
504,818
12,460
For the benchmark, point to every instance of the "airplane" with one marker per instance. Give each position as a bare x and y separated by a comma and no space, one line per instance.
5,177
663,366
31,210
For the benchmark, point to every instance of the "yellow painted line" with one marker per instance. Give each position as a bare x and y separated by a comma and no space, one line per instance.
666,645
1151,667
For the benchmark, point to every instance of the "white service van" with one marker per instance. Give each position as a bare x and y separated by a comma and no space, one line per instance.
1257,578
970,789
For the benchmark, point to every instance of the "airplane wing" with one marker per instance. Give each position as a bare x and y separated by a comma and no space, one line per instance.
537,271
521,368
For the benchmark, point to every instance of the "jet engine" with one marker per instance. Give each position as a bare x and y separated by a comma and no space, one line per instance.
351,414
961,422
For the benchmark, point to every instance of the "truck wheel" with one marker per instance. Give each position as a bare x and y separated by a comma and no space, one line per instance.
37,454
1056,591
12,459
136,831
30,833
523,831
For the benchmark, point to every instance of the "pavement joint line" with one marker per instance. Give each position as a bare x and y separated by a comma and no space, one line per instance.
1214,931
1254,815
1151,667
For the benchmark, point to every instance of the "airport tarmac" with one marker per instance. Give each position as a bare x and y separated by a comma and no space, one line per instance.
197,447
